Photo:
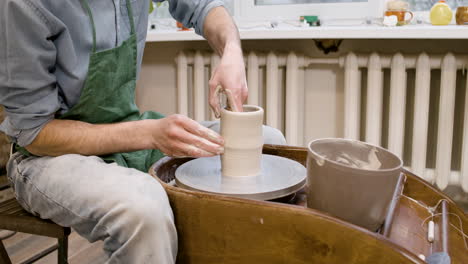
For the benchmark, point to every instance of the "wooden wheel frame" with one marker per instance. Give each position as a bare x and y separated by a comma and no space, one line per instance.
219,229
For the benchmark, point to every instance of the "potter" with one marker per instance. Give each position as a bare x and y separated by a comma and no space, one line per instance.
243,141
67,83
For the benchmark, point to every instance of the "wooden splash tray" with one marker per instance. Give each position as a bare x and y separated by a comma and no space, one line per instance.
219,229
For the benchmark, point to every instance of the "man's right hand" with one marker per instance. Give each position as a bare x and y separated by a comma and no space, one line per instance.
175,135
180,136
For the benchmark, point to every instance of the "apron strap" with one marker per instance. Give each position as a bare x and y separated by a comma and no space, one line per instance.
90,14
93,26
130,16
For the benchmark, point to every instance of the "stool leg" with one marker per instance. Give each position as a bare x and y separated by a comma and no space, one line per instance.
4,255
63,250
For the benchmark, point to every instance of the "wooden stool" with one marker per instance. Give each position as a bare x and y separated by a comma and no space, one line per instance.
14,218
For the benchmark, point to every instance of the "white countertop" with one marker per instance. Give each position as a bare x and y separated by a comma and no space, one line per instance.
328,32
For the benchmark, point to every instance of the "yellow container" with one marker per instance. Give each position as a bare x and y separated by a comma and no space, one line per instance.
441,14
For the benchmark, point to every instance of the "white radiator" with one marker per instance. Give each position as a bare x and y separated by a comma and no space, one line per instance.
276,82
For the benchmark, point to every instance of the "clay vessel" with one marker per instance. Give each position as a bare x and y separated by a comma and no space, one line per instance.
351,180
243,137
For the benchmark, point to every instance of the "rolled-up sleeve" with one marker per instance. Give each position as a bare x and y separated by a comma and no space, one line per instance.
192,13
28,88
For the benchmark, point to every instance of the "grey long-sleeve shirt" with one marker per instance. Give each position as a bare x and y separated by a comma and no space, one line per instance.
45,47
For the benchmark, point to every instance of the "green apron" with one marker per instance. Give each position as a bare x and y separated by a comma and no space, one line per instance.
108,95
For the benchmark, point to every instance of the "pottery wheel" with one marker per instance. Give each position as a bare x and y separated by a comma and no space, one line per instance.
279,177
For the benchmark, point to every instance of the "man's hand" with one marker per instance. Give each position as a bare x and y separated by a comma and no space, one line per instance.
180,136
223,36
175,135
230,76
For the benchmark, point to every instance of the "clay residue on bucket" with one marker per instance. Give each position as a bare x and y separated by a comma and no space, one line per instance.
372,162
352,154
320,161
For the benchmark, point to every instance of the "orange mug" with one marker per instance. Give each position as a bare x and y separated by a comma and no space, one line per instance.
181,27
401,16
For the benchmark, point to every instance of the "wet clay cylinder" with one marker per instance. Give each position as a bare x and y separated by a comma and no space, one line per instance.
243,137
351,180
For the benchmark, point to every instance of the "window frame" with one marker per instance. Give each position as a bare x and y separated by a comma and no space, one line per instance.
247,10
